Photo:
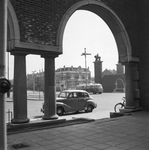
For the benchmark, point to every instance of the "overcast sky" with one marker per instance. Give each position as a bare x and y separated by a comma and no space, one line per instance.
83,30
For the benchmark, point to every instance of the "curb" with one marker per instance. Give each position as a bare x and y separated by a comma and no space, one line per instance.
44,124
29,99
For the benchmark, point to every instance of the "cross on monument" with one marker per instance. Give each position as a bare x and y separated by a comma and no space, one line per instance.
85,53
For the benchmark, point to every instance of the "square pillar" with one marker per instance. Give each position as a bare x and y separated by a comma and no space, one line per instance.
49,89
130,102
20,90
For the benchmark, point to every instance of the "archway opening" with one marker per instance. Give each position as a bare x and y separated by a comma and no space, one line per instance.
86,30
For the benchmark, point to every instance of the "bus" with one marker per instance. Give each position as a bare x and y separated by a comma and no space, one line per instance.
91,88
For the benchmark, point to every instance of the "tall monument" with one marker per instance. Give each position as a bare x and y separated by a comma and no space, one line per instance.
98,69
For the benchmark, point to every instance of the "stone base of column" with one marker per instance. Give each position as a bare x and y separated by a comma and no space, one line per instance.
20,121
127,110
130,107
50,118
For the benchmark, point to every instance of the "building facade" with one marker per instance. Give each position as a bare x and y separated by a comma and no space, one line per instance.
69,77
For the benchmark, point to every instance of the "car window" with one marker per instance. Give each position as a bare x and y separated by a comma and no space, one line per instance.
75,95
63,94
80,94
86,95
83,94
72,95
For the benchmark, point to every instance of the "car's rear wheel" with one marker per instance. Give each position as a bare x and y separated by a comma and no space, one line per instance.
89,108
60,111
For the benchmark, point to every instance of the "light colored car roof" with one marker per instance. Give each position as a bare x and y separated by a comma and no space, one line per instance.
75,91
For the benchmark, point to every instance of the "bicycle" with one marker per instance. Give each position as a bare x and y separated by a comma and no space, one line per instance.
119,106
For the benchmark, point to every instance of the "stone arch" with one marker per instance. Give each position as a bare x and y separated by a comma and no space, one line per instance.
112,20
20,49
121,37
13,26
120,85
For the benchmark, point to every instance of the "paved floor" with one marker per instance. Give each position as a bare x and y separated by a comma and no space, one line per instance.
123,133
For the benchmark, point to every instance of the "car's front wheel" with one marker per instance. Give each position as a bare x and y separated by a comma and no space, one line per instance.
89,108
60,111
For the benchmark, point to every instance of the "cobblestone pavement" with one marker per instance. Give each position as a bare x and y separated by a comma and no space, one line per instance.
129,132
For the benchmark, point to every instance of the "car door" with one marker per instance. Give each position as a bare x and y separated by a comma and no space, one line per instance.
72,101
81,100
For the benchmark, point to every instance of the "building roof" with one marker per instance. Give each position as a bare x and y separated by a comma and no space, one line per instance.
109,72
71,69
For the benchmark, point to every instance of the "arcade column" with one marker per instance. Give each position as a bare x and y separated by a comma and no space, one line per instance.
130,102
20,89
49,89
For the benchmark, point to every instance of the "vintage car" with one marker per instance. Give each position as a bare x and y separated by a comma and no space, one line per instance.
74,101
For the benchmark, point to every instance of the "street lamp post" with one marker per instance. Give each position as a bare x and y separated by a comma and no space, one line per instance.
8,93
85,54
3,39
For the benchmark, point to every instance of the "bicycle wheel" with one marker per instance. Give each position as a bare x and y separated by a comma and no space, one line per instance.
118,106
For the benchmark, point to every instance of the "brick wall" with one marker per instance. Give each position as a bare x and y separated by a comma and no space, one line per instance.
39,20
108,82
144,53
